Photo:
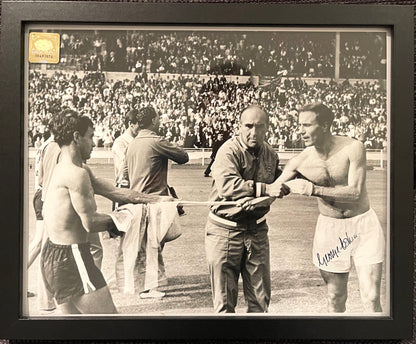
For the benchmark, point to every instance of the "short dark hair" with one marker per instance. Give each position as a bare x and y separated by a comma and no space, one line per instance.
145,116
66,123
131,117
323,113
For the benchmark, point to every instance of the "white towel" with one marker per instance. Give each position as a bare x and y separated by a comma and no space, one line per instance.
133,220
130,219
161,217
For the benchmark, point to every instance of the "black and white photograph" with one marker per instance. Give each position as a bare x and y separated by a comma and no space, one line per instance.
207,170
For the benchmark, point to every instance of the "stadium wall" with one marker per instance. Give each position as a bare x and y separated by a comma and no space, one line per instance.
201,156
119,76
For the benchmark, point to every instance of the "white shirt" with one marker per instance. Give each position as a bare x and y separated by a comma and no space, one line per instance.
119,150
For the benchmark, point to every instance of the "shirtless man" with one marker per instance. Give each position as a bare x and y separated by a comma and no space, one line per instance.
334,170
70,213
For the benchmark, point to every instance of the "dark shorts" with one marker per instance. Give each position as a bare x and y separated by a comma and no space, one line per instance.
38,204
69,271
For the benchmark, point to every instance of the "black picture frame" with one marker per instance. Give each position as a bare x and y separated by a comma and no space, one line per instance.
14,17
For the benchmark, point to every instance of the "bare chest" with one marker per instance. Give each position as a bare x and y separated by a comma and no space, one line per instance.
328,171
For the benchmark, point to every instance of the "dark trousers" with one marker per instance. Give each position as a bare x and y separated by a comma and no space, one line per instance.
231,253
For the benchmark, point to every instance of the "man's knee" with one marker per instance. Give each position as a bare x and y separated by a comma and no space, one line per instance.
96,302
337,290
372,293
337,296
336,301
371,298
216,260
370,282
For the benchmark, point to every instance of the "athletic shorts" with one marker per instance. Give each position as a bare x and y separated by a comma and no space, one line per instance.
69,271
38,204
337,240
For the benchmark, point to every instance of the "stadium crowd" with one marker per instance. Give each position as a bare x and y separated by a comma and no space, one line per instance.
363,55
306,54
194,110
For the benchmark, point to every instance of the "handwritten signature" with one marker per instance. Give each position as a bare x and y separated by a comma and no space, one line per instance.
335,252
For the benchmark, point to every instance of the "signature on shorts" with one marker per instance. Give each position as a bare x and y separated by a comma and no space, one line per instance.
335,252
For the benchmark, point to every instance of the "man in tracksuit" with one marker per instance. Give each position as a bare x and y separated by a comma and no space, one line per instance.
236,239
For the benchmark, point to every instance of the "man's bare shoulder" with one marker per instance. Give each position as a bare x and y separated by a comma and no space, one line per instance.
72,176
305,154
349,144
295,162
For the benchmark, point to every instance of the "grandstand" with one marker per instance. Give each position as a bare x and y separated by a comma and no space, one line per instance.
306,53
200,80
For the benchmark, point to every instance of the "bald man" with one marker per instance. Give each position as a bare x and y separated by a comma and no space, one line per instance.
236,240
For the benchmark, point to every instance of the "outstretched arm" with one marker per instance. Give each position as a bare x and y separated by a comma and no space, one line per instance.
82,199
279,188
106,189
342,193
172,151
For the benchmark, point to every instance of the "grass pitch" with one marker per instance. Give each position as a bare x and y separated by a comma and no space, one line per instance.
297,287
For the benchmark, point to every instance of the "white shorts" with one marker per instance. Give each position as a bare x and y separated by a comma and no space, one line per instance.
337,240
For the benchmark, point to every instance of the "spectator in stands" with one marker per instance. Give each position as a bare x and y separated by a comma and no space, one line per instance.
188,107
307,54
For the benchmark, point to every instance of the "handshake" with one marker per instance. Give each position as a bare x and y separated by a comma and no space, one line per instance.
276,190
297,186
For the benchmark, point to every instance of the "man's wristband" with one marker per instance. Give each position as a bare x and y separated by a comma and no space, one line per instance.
259,189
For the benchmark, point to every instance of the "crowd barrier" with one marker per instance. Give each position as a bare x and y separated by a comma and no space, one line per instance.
201,156
120,76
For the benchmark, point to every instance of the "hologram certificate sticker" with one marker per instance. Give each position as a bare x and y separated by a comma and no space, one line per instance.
44,47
